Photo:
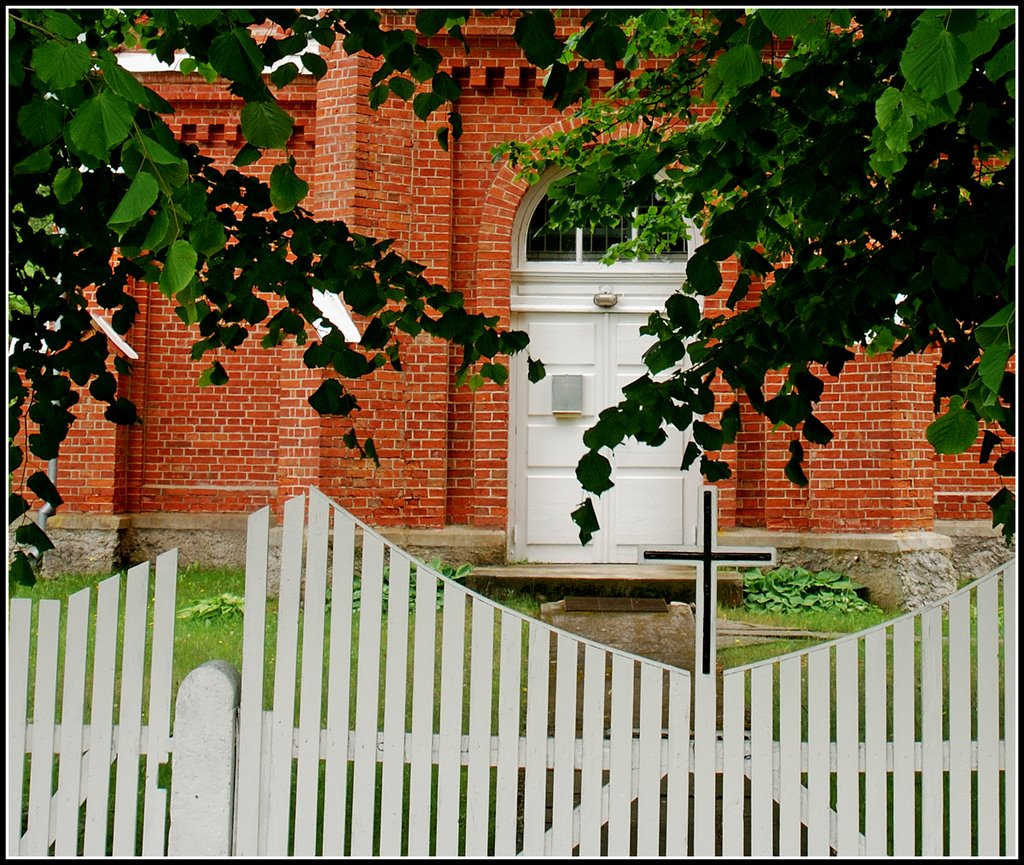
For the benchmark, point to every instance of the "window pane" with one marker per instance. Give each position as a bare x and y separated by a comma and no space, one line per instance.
546,244
597,242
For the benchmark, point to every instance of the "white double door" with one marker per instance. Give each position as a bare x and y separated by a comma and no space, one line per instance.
589,355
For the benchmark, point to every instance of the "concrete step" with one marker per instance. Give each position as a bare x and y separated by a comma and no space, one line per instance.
550,582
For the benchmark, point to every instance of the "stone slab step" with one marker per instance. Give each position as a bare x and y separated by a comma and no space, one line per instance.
672,582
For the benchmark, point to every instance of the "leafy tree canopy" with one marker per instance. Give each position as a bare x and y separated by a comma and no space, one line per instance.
860,171
864,167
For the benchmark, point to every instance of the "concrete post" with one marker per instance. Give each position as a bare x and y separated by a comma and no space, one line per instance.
203,782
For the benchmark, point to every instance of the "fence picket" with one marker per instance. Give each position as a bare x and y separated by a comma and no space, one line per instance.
101,723
564,737
18,630
791,704
988,717
621,766
421,739
847,688
280,792
364,769
478,774
819,714
159,717
903,789
648,811
705,778
506,804
594,666
733,754
69,777
250,711
535,775
307,773
876,781
392,779
1009,633
339,685
449,781
677,806
126,790
931,732
762,715
36,841
958,682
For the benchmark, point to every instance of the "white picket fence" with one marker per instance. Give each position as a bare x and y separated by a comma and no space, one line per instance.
479,731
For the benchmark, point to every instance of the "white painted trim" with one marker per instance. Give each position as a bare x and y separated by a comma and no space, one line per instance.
108,330
143,61
337,314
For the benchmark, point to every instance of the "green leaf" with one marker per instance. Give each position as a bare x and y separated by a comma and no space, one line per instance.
41,120
594,472
445,87
425,104
62,65
1004,61
535,34
42,486
246,156
314,64
955,431
603,41
67,184
1003,507
208,236
794,469
179,268
739,66
992,367
935,60
286,188
702,273
284,75
21,572
332,398
215,374
101,123
585,517
786,22
236,56
122,82
266,124
16,506
35,163
403,88
28,534
535,370
137,201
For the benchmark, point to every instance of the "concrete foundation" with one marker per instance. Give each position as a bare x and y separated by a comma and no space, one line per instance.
103,544
902,570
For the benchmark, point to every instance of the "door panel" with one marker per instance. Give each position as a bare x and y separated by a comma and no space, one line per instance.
646,506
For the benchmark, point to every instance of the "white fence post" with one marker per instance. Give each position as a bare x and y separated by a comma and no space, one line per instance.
203,788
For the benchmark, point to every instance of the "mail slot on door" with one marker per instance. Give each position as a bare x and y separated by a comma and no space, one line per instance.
566,394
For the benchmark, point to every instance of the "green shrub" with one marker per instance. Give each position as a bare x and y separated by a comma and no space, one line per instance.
796,590
217,608
457,574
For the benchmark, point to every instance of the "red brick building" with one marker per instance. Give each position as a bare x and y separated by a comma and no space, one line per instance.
490,473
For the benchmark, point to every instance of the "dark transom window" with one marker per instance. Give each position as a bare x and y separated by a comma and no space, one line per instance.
547,244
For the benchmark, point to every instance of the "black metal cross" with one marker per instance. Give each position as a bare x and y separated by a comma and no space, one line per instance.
709,554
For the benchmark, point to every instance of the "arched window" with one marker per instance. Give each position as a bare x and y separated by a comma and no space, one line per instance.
544,243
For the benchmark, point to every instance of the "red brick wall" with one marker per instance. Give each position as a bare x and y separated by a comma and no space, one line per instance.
444,451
